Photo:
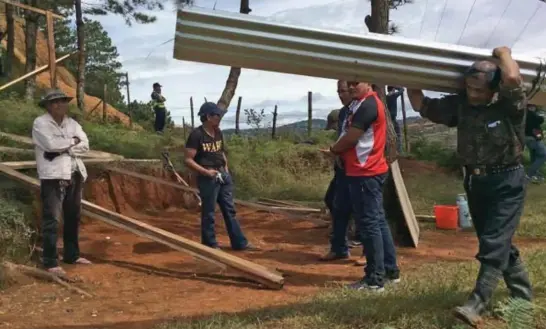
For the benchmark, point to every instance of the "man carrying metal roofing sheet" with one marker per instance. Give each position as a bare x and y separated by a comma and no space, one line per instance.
490,119
361,147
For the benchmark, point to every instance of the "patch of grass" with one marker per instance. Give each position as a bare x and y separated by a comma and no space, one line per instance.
423,300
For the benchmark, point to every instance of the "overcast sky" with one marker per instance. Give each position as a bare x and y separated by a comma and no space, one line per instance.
147,54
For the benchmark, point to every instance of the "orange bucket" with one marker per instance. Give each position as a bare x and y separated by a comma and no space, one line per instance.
447,217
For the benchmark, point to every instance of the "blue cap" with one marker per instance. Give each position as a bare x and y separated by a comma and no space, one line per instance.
210,108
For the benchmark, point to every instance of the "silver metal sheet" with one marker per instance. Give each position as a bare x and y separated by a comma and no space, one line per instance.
245,41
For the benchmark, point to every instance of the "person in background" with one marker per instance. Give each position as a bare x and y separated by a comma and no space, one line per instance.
158,105
335,121
59,142
361,147
205,154
489,116
534,141
392,105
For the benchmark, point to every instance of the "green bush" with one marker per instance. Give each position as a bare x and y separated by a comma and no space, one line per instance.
435,151
15,230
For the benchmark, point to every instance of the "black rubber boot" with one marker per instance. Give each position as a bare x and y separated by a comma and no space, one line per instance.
517,281
472,310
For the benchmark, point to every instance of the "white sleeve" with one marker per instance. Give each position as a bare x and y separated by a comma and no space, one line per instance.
83,146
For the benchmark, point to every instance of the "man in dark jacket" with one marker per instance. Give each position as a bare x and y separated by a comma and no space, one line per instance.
489,116
533,140
392,104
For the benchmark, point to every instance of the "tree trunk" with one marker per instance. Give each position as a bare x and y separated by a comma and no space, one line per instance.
378,22
31,30
81,55
10,30
234,72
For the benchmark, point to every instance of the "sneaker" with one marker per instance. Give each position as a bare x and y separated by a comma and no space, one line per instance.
333,256
535,179
251,247
365,285
392,276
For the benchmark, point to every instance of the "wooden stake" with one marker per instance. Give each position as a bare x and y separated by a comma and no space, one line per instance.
51,49
309,112
274,123
184,127
104,104
35,72
238,114
192,116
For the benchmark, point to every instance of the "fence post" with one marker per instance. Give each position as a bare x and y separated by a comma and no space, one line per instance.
274,123
237,115
309,112
128,100
406,140
184,127
51,50
191,108
104,104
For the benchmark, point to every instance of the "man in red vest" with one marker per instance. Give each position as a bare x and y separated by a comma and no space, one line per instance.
361,148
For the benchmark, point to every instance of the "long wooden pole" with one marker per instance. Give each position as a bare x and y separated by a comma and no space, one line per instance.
35,72
258,273
34,9
51,50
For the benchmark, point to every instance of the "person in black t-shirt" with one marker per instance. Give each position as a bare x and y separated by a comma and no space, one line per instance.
534,141
205,154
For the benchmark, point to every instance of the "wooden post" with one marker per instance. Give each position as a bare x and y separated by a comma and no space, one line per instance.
192,117
237,115
128,100
309,112
274,123
10,42
51,49
205,99
184,127
104,104
406,140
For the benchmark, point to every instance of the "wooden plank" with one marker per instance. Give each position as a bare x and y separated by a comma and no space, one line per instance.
407,209
17,165
51,50
8,149
251,270
35,72
34,9
237,202
280,202
90,154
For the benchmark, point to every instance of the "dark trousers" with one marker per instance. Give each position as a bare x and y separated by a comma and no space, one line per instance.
160,116
339,243
393,114
537,152
213,192
61,199
496,203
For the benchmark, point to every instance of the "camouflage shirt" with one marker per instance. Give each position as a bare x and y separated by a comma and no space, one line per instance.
486,135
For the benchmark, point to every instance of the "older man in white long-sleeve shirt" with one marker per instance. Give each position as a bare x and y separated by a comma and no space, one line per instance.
59,141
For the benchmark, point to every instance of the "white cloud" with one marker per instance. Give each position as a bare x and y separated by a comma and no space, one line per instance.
147,52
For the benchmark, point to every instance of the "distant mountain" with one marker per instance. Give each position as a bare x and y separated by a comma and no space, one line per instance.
298,127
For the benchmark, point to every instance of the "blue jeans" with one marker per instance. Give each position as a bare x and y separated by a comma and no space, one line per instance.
364,196
537,151
213,192
393,114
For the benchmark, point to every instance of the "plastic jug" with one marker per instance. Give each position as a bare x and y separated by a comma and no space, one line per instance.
465,220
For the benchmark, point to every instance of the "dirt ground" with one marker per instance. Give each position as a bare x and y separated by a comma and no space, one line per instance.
138,283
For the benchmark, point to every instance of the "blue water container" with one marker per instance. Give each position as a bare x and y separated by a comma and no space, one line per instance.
465,220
